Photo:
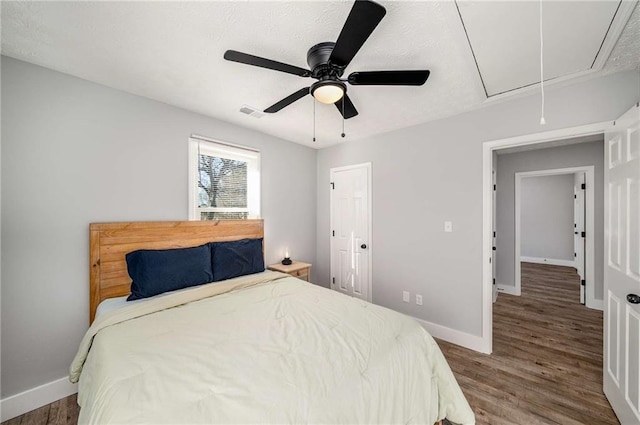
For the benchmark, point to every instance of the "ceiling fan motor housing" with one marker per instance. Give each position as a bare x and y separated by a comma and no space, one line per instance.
318,60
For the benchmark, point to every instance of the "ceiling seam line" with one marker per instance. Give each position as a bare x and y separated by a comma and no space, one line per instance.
528,85
484,87
606,34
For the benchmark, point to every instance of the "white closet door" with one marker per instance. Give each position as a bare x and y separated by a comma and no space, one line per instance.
350,228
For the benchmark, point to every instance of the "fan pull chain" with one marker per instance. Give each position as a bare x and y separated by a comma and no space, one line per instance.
314,120
343,115
542,120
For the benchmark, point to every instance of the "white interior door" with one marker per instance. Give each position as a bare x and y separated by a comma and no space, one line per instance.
622,267
351,230
579,228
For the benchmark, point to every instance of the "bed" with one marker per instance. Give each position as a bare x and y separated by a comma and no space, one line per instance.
259,348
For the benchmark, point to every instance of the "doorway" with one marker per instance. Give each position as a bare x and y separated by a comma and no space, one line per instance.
621,328
350,206
488,157
583,230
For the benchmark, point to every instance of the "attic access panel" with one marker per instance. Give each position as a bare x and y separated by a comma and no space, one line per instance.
505,39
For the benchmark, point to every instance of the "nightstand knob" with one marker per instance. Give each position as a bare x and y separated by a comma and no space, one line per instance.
363,246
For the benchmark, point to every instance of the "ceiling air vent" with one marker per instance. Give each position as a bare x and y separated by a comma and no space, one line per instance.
250,110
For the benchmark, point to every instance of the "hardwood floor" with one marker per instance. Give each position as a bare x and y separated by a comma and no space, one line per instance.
546,366
61,412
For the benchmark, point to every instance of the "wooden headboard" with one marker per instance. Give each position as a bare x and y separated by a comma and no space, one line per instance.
110,242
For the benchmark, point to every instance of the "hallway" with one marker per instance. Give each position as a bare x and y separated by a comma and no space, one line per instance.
546,366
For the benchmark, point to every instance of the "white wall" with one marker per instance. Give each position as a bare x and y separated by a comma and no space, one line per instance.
576,155
546,214
75,152
424,175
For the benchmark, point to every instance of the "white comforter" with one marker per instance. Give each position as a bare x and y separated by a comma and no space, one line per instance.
265,348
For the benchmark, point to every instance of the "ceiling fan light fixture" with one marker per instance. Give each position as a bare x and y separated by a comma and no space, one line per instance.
328,91
328,60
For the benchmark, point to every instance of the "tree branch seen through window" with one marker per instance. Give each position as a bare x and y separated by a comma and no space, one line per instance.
225,182
222,183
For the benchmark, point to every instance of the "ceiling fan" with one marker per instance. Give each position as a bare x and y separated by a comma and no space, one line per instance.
328,61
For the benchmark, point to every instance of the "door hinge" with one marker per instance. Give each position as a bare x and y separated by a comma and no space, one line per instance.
583,282
333,186
583,234
494,248
583,186
575,196
333,233
575,255
333,280
494,187
494,280
494,234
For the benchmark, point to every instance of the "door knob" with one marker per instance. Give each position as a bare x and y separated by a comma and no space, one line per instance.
633,298
363,246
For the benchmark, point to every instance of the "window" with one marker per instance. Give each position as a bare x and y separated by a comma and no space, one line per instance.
224,181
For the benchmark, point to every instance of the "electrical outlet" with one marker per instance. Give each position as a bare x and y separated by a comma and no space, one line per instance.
448,226
418,299
406,296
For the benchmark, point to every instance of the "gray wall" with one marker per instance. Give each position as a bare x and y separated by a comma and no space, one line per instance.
75,152
545,159
546,217
430,173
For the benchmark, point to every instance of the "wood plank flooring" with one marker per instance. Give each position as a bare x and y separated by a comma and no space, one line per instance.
61,412
546,366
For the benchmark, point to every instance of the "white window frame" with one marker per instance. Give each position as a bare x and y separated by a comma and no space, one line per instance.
201,145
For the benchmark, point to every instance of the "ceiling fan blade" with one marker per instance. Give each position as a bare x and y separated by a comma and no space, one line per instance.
364,17
389,78
287,100
350,111
234,56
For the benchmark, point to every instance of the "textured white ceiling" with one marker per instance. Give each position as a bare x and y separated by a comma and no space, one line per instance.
626,53
173,52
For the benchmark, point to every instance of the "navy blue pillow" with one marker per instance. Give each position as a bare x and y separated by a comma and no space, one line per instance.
156,271
236,258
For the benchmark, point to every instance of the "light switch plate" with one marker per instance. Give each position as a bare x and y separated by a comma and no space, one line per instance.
418,299
448,226
406,296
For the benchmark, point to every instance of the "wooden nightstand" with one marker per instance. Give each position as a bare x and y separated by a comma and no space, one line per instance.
295,269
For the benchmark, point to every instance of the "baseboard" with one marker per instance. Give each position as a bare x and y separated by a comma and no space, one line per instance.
34,398
551,261
463,339
508,289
